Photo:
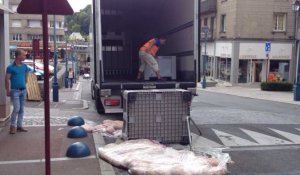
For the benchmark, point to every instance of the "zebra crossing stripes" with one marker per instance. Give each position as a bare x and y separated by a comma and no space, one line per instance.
264,139
231,140
293,137
199,141
228,139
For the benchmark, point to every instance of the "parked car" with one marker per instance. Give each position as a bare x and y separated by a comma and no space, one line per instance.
38,65
39,73
86,76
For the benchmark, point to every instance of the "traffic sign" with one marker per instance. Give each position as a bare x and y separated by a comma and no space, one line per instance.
267,47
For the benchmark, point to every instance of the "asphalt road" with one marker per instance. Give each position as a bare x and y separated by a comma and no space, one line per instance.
262,137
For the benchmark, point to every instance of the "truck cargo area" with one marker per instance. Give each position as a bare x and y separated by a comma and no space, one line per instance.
127,24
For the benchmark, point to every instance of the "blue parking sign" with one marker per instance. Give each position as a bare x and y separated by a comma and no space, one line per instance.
268,47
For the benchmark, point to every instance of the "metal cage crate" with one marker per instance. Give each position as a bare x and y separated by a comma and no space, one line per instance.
157,114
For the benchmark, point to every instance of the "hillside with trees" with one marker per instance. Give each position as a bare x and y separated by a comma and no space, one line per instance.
79,22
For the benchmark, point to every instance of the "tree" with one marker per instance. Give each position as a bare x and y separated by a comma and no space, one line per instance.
79,22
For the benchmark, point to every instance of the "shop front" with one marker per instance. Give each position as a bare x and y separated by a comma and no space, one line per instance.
210,61
257,66
223,62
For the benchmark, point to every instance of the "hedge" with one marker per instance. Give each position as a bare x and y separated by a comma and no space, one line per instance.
276,86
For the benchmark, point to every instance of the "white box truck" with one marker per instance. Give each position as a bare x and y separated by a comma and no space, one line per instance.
121,27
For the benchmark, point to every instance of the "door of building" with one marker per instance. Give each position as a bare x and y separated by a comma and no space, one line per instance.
256,75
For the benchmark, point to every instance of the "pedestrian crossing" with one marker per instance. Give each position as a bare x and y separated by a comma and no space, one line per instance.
237,136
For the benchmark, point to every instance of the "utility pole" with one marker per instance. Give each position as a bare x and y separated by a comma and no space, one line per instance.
295,8
199,40
205,29
55,84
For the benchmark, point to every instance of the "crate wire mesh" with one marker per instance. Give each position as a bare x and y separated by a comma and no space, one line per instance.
157,114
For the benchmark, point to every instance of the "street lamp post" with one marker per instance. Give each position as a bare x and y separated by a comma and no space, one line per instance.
295,8
66,63
205,29
55,84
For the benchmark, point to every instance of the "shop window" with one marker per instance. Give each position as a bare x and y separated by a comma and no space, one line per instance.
224,69
243,71
279,70
209,66
279,21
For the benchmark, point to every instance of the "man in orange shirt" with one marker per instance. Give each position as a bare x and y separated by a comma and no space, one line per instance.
147,56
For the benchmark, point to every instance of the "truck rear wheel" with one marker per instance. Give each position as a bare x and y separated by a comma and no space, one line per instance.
99,105
92,90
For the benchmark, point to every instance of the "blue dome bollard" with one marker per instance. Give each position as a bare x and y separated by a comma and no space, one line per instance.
76,121
78,149
77,132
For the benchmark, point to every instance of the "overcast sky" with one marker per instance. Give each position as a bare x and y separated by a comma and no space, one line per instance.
79,4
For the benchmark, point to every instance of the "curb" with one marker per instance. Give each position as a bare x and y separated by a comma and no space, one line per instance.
85,105
105,168
261,97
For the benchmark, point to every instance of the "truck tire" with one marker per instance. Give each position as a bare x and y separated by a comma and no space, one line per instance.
92,90
99,105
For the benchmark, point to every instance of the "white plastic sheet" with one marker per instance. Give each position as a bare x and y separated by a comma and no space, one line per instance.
148,158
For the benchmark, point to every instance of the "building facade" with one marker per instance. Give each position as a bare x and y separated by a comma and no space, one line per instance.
24,28
251,40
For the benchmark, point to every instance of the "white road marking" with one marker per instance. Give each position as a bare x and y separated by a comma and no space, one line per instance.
263,139
43,160
199,141
293,137
232,140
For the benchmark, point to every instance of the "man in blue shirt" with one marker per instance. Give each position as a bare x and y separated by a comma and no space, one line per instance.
15,85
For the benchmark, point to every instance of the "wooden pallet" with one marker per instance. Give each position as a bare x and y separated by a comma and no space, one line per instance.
33,90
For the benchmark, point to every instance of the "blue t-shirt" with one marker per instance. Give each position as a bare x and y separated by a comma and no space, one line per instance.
18,75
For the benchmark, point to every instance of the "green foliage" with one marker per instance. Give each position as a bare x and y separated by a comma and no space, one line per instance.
276,86
79,21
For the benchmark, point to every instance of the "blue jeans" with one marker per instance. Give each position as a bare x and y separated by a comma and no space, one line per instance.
71,82
18,100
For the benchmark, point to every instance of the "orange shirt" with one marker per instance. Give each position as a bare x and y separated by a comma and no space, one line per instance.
150,47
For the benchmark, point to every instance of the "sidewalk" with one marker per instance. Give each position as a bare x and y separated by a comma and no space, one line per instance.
251,91
23,153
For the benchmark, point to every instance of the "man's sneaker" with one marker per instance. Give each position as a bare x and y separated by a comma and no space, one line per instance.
12,130
20,129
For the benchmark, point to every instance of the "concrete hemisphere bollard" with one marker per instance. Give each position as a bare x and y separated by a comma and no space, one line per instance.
76,121
78,150
77,132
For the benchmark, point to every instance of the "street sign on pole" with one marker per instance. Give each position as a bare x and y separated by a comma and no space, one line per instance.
267,50
267,47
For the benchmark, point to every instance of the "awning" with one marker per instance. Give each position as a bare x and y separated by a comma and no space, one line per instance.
5,9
